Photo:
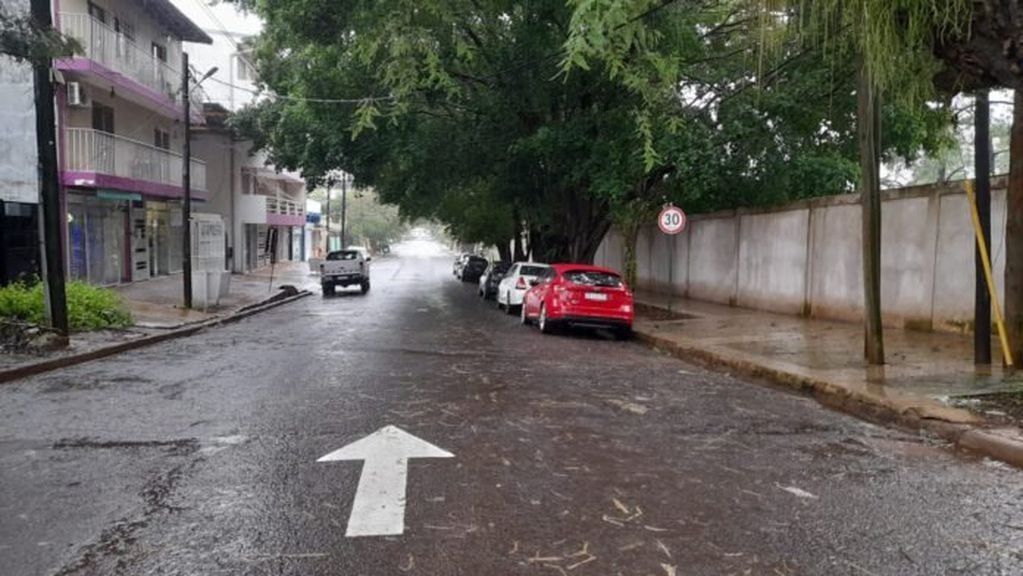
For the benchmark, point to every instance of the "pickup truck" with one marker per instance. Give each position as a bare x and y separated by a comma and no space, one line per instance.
345,268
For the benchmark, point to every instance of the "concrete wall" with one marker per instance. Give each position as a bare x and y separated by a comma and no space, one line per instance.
805,258
18,159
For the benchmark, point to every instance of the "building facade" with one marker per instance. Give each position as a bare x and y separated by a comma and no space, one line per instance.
263,202
19,185
120,119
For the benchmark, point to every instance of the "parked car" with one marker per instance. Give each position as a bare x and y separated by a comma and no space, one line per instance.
515,283
345,268
456,269
579,295
491,278
472,269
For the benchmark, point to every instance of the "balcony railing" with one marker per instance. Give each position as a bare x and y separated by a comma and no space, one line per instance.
284,207
116,51
103,153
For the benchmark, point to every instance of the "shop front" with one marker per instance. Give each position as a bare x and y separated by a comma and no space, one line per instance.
98,235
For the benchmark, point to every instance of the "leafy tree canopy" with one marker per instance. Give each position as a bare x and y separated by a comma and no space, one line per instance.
557,119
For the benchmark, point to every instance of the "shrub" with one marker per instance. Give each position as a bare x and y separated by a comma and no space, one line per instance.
89,307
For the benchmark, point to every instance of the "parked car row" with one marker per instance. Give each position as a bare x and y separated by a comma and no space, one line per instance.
553,296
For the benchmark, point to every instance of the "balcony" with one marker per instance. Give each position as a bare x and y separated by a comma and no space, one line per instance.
101,160
284,212
115,58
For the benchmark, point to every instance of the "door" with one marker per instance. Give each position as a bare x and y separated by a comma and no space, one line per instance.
103,145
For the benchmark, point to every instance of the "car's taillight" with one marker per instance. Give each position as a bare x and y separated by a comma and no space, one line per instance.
520,283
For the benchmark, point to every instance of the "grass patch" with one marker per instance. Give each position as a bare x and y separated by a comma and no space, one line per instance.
89,307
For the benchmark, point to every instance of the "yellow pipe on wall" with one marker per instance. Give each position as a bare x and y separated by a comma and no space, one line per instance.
986,261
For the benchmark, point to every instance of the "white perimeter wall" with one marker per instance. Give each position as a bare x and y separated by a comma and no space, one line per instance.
805,258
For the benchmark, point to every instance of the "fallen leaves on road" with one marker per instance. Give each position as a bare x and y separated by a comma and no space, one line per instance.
797,492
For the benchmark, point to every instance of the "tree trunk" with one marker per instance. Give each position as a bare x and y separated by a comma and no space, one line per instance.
504,251
868,128
630,235
1014,233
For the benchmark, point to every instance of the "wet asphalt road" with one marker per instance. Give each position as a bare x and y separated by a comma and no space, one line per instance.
574,455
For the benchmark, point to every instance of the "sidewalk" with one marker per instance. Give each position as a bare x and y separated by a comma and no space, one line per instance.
157,303
925,370
156,306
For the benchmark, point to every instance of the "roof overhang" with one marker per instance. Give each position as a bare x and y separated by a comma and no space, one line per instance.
175,21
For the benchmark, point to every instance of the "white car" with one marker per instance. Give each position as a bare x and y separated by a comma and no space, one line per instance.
515,283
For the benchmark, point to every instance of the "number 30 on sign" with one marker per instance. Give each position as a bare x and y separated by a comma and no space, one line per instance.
672,220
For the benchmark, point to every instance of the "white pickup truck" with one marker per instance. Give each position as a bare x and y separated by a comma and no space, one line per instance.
345,268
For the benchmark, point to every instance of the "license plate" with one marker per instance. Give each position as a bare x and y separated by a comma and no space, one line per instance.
596,296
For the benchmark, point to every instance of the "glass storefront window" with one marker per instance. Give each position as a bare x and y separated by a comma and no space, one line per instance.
96,240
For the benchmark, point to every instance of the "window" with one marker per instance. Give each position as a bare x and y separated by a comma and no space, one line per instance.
245,70
159,52
98,12
343,255
161,139
532,270
593,278
102,118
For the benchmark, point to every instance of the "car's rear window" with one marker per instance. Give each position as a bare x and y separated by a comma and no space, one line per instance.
593,278
475,260
343,255
532,270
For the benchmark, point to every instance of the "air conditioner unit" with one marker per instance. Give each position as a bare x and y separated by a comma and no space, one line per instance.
75,94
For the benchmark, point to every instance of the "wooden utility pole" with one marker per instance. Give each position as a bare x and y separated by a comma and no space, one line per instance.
868,127
1014,232
52,220
186,184
982,168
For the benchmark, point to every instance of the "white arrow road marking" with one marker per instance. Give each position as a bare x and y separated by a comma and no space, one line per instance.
379,507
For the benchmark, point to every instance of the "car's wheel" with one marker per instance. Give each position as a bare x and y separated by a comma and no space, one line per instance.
543,322
523,319
364,286
328,288
508,304
624,333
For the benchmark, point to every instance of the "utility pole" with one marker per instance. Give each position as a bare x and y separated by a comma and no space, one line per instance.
186,183
52,225
326,216
868,124
344,200
982,167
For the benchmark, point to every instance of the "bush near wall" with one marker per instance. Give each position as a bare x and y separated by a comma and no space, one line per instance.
89,307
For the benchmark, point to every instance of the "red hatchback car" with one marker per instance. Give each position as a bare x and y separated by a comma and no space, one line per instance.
579,295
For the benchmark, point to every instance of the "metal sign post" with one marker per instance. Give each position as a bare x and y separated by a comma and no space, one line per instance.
671,221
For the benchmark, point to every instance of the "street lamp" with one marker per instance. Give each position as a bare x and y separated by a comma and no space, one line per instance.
186,176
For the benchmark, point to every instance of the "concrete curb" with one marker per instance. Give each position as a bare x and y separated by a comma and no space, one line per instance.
65,361
1003,444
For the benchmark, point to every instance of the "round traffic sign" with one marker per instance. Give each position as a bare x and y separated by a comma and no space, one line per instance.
671,220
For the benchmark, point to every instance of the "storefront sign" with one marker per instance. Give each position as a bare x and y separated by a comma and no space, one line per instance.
117,195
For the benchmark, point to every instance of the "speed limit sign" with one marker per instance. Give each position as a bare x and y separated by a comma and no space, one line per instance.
671,220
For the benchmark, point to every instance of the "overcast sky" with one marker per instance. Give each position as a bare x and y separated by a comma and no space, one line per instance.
226,13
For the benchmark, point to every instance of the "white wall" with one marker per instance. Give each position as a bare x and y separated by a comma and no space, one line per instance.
805,258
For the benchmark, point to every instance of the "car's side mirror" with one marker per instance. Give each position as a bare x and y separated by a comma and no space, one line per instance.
369,258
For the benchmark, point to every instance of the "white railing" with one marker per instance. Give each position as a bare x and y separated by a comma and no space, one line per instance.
284,206
95,151
116,51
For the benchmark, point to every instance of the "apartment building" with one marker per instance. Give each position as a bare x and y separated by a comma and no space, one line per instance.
120,129
263,201
19,185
